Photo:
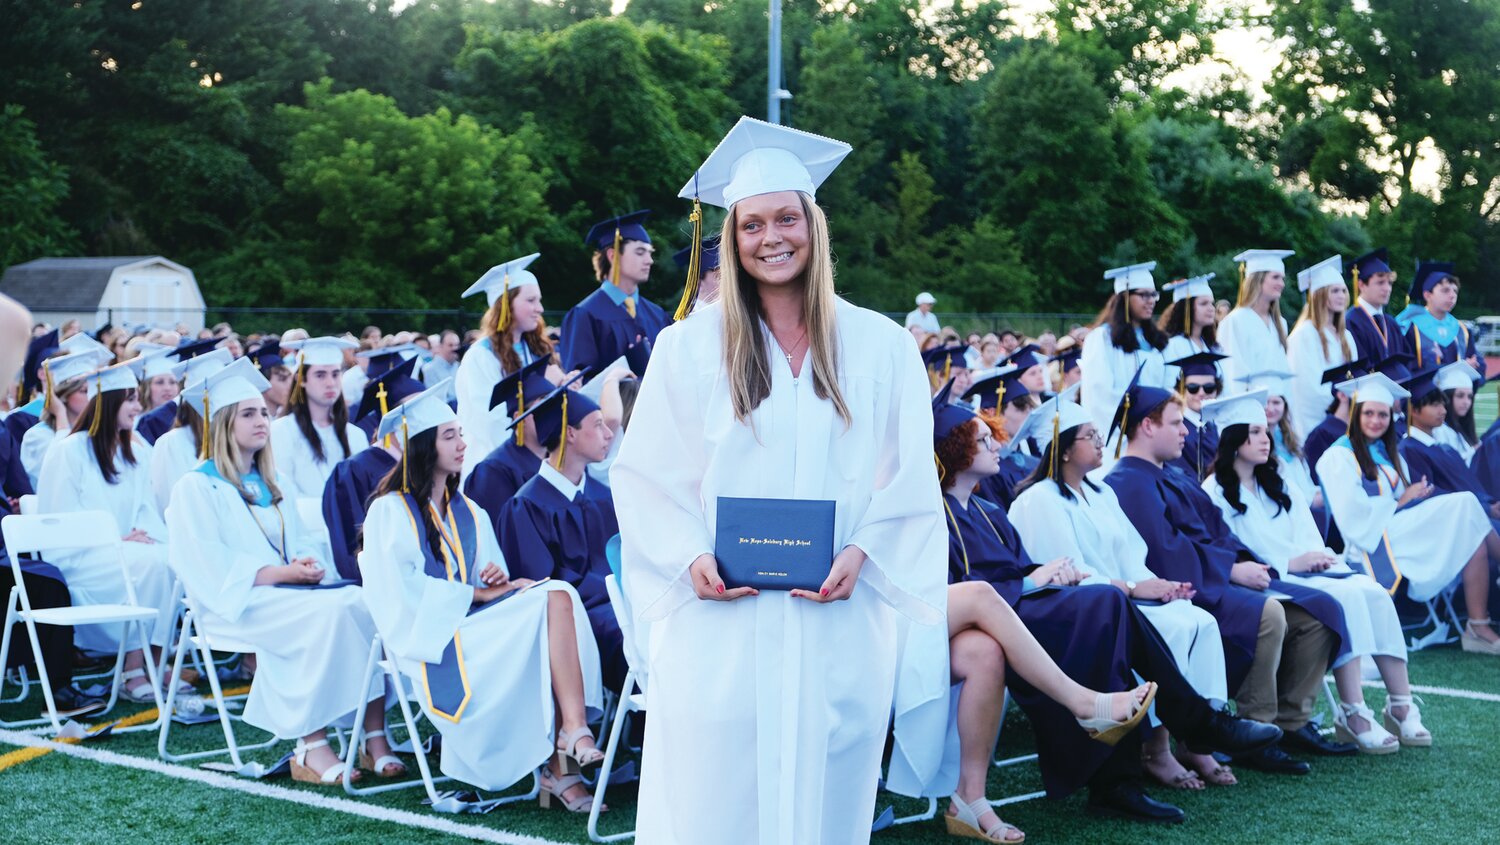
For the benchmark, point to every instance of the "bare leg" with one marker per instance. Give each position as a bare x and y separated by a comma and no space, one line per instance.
1393,673
1347,679
567,677
377,746
1476,577
322,757
979,662
136,660
975,604
1157,759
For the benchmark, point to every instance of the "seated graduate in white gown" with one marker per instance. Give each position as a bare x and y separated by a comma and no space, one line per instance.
1318,342
1273,519
1253,335
177,450
242,556
504,664
1061,513
1395,525
65,399
102,466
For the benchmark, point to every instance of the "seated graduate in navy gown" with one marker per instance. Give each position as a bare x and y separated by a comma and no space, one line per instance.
1433,335
948,363
1377,335
165,417
266,356
557,524
1005,403
1031,370
1425,456
346,494
35,390
495,480
1279,638
598,330
1094,633
1198,381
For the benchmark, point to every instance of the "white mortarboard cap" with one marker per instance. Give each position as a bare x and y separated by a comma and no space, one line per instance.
1273,381
428,409
1190,288
757,158
925,298
1258,260
198,367
1133,277
320,351
1375,387
122,376
65,367
1069,415
157,360
1326,273
1240,409
501,277
237,382
81,342
1456,375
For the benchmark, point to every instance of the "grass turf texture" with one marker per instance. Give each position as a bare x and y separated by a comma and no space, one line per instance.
1442,794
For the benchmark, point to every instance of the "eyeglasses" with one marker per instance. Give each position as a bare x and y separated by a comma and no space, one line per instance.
1093,437
1195,389
987,441
1146,294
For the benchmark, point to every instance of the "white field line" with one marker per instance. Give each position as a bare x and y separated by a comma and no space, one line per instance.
1448,691
426,821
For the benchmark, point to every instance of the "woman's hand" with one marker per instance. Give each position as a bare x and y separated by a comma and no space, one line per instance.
1248,573
1156,589
136,535
302,570
1317,499
1419,489
493,576
1311,561
842,576
1057,571
707,584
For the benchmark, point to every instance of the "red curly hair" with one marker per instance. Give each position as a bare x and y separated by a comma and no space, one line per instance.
955,453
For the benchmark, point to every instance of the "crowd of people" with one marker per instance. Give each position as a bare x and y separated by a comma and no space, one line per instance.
1159,531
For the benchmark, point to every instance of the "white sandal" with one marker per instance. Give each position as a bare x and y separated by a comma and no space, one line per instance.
378,766
1409,730
1374,740
137,693
553,786
1110,731
329,776
965,823
1475,643
574,760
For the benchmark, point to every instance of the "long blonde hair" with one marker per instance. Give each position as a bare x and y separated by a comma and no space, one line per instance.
1316,312
1250,294
225,453
745,354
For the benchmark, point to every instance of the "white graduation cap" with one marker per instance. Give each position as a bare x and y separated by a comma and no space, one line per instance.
1456,375
1133,277
65,367
123,376
157,360
757,158
502,277
236,382
1260,260
1273,381
1326,273
320,351
1059,412
1240,409
81,342
199,367
428,409
1190,288
1375,387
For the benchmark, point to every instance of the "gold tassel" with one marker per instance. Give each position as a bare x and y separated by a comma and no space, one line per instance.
384,409
1353,401
694,268
1056,423
1124,422
520,408
1354,276
1000,396
292,398
1187,316
614,262
203,448
405,455
98,413
562,437
947,368
48,394
942,470
502,323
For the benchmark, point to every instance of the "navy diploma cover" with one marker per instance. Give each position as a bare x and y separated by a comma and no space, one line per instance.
774,544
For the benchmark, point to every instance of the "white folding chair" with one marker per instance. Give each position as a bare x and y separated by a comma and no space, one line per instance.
629,702
386,662
37,534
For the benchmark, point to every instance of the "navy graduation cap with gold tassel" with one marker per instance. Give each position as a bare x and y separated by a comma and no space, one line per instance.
1138,402
513,390
941,361
998,387
559,410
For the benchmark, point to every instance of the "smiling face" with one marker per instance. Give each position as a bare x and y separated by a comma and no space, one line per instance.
251,428
1204,313
1374,419
526,308
1200,389
771,237
1142,304
164,388
1275,409
129,410
1272,285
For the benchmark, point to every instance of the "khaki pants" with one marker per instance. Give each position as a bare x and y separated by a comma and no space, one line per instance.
1291,657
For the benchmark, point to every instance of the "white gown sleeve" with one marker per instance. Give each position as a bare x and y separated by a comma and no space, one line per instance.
483,427
416,614
1099,391
1039,516
216,568
287,447
61,488
1361,518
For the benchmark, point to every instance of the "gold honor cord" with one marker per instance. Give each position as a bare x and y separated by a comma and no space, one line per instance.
695,265
562,437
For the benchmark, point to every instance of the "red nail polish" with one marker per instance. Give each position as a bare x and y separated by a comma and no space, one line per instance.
720,589
823,593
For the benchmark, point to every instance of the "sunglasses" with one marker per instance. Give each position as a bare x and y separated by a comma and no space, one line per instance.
1195,389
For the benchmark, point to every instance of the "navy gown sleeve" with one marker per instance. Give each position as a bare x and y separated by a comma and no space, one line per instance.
156,422
525,541
16,482
492,487
1169,554
1486,466
343,527
579,348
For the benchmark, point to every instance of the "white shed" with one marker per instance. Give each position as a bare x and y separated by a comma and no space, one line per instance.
123,290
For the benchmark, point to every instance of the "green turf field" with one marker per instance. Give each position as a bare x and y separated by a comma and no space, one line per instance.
1443,794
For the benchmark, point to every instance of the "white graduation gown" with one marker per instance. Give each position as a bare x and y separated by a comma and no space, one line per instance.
768,714
484,428
35,445
1278,535
302,476
1446,436
1431,540
507,728
1181,346
352,385
1107,371
1094,531
72,482
172,457
1294,472
310,645
1308,403
1253,345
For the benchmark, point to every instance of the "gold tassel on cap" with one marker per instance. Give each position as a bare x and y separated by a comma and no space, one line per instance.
1000,396
203,448
1354,276
1056,423
695,263
1124,422
614,262
502,323
1353,400
562,437
293,397
48,394
405,456
384,409
98,413
520,407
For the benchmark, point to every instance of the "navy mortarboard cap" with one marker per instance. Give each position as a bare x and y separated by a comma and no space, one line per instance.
530,380
1026,357
708,257
562,408
1346,372
1138,403
627,227
945,359
1420,384
40,349
1428,274
1199,363
998,387
947,416
386,390
1393,366
1068,358
267,356
637,356
193,348
1367,265
757,157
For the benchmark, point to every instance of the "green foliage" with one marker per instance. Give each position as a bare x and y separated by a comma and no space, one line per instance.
31,188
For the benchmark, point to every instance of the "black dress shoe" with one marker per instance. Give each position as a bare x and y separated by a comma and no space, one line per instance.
1126,800
71,702
1308,740
1223,732
1274,760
